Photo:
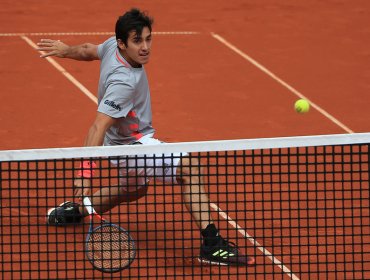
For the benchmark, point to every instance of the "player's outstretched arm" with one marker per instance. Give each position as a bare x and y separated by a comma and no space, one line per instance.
95,137
85,52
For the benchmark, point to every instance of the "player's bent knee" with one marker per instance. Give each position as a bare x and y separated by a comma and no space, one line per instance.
132,193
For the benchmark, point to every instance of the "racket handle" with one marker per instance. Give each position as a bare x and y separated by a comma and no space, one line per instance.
88,205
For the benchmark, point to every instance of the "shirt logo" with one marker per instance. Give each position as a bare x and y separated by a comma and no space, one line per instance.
112,104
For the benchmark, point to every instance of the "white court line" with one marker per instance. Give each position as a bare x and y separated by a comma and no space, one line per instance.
64,72
264,251
91,33
280,81
214,206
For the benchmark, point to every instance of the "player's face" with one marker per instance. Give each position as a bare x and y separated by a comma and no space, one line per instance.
137,51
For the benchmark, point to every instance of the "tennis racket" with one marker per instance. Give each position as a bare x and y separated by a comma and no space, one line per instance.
109,248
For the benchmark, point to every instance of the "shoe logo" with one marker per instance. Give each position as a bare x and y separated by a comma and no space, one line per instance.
223,254
112,104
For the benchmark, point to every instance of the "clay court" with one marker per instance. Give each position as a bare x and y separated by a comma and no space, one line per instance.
220,70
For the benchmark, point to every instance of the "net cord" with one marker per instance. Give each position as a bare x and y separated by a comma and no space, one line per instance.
185,147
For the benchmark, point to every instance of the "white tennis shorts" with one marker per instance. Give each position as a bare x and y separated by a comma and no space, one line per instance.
137,171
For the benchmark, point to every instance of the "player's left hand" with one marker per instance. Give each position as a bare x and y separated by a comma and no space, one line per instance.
52,48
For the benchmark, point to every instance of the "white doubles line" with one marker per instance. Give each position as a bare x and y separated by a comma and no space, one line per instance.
64,72
264,251
280,81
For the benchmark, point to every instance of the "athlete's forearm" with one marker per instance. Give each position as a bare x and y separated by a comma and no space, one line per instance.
85,52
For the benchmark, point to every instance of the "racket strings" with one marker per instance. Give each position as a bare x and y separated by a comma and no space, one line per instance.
110,248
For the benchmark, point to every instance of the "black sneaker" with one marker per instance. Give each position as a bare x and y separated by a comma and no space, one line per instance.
66,213
223,253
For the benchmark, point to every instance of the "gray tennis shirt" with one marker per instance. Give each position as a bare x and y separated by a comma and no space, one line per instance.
124,95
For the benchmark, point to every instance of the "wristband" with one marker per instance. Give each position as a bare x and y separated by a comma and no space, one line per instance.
86,169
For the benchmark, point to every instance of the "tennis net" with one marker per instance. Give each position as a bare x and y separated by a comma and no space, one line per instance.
298,205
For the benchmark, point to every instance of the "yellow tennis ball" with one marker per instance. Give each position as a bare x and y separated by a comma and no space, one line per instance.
302,106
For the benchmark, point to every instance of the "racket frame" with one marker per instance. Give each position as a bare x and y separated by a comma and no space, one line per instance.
91,211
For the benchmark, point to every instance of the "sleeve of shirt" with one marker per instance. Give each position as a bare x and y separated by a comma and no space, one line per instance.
118,99
102,48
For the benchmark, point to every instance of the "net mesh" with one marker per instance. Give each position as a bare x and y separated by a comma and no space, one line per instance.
299,206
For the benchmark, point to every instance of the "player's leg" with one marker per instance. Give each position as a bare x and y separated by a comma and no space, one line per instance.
109,197
132,186
69,213
190,176
214,249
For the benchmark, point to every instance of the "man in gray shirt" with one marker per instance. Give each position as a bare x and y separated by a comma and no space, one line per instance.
124,117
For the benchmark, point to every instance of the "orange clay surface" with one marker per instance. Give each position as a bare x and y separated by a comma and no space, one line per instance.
201,89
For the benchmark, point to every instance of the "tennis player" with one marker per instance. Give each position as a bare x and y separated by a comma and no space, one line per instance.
124,117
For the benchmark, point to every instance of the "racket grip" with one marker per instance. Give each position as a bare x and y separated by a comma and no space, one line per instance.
87,203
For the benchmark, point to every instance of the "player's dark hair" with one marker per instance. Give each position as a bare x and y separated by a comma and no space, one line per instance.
133,20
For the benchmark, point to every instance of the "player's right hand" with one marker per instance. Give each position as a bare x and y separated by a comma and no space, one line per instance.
52,48
82,188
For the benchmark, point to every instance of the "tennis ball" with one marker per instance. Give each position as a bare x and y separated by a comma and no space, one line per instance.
302,106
